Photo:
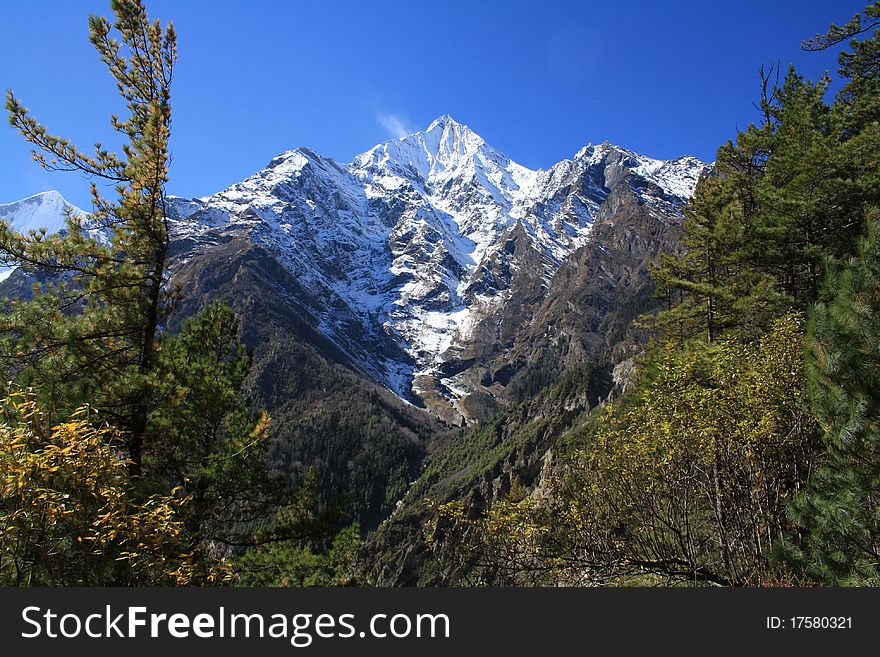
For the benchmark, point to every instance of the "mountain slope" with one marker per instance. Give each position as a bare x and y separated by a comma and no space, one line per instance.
432,271
361,440
422,259
44,211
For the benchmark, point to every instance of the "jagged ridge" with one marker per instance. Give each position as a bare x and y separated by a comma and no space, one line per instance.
411,257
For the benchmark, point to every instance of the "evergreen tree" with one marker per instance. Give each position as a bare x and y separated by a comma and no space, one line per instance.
207,442
784,195
293,563
839,514
91,333
711,290
860,65
715,288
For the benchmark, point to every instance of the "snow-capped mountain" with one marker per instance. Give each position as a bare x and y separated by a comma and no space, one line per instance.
44,211
407,248
426,258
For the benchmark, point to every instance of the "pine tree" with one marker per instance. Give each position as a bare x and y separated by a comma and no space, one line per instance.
783,196
839,514
207,442
94,332
91,333
714,288
859,65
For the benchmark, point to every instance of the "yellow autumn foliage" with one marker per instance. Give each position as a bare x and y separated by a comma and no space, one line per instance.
68,515
686,481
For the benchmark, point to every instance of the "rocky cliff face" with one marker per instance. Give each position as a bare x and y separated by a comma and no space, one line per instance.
441,268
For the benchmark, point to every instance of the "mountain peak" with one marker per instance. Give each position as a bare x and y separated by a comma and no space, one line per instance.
442,122
448,129
44,211
445,145
46,206
51,196
447,140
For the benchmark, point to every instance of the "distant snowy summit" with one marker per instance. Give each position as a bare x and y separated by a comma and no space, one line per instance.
44,211
405,255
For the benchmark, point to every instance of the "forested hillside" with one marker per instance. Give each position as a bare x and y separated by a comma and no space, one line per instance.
434,366
744,449
128,452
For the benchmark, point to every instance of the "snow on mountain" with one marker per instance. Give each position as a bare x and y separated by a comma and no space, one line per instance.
458,172
44,211
676,177
401,254
396,249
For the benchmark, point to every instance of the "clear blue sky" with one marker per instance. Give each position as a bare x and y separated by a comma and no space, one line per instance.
536,79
